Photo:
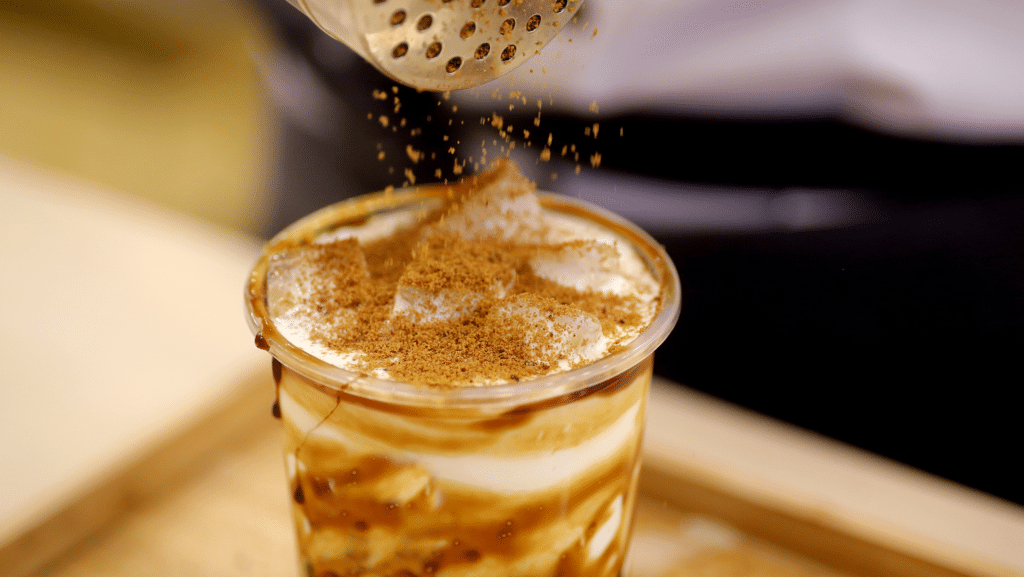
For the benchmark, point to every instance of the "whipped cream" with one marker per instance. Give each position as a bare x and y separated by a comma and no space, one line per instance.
463,271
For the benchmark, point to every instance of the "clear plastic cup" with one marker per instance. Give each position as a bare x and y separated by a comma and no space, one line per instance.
532,478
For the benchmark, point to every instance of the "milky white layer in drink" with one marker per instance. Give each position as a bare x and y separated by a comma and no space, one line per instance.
604,262
493,472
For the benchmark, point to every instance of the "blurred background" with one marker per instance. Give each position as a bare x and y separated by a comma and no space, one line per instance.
836,180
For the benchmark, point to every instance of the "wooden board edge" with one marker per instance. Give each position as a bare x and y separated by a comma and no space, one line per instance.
835,533
179,455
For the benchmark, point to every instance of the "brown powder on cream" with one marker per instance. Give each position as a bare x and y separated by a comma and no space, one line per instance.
428,306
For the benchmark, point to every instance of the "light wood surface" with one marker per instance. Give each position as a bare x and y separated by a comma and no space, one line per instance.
123,321
827,500
223,512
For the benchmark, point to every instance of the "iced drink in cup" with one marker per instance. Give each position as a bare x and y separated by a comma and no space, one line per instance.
462,373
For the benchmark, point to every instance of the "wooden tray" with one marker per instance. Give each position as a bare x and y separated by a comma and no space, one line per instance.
724,492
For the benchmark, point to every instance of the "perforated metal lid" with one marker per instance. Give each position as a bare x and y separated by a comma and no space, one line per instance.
453,44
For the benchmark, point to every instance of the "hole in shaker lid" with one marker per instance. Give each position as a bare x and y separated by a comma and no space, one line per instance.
507,27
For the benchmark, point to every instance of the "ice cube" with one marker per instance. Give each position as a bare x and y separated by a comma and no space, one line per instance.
318,284
582,265
424,307
552,331
501,205
450,278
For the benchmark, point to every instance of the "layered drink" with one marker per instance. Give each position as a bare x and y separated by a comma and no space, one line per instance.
462,372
